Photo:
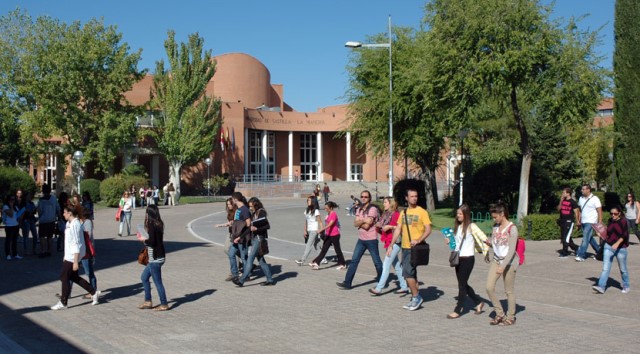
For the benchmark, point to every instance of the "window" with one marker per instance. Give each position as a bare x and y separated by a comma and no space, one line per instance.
308,157
356,172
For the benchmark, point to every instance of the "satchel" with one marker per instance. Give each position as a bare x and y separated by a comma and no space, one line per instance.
91,251
264,247
143,256
454,256
419,252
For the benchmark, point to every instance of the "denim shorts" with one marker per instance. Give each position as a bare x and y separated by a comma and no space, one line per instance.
408,271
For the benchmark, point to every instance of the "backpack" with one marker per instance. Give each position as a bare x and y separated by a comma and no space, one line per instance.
521,247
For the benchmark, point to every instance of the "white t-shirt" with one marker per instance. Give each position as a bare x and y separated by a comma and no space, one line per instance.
312,220
468,245
589,209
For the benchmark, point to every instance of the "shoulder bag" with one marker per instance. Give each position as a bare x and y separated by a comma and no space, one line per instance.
454,257
419,252
143,256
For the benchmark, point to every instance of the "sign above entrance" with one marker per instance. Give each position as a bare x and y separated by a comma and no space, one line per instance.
294,121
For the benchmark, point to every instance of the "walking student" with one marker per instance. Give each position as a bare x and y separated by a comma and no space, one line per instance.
366,217
414,226
632,213
590,213
74,251
125,216
569,213
616,245
387,224
332,231
312,222
154,226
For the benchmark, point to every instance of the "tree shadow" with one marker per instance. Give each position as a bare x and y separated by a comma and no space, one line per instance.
177,302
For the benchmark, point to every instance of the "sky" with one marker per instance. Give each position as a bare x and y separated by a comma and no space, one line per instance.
301,42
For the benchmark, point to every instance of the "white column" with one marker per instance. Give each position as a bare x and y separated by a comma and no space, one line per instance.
155,170
348,156
290,156
247,153
264,155
319,154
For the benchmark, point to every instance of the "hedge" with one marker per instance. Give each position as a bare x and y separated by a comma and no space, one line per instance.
544,226
92,186
12,179
111,189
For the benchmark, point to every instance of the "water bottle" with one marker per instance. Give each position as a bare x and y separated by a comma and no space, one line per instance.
448,234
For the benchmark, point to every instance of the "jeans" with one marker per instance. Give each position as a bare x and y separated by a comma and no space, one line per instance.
621,256
153,270
386,268
253,253
234,248
26,227
358,251
587,238
125,220
11,240
311,243
87,265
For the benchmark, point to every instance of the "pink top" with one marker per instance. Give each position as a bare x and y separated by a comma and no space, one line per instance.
387,236
333,230
372,233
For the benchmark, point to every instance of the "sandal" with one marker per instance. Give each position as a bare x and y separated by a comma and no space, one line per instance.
161,308
453,315
145,305
508,322
496,320
479,308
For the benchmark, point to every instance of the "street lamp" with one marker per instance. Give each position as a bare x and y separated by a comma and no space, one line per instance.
452,160
208,162
78,156
462,134
352,44
613,186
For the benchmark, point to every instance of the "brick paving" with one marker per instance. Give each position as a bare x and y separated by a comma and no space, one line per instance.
305,311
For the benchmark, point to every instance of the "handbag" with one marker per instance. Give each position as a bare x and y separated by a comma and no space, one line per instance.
419,252
143,256
91,251
264,247
119,213
454,256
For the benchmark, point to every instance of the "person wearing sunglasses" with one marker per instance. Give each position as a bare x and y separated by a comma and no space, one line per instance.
615,245
366,217
632,214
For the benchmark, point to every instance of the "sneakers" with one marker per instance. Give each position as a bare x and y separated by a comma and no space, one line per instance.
58,306
625,290
299,262
343,286
415,303
18,257
324,261
579,259
95,297
341,267
8,258
598,289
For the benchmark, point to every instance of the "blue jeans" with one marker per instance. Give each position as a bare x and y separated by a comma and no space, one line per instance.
153,270
26,227
253,253
386,268
233,250
587,238
87,265
358,251
125,220
621,256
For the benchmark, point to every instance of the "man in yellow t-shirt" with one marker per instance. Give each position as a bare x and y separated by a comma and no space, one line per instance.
418,225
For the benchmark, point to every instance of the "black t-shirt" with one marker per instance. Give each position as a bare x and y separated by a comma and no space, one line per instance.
566,209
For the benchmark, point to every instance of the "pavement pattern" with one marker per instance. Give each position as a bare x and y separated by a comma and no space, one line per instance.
305,312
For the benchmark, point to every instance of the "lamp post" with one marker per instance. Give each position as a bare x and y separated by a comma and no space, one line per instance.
613,185
462,134
384,45
208,162
452,160
77,157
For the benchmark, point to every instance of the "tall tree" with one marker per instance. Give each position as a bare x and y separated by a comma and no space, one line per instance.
626,61
190,119
510,51
68,81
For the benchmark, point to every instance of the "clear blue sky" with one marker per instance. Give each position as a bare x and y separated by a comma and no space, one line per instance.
300,41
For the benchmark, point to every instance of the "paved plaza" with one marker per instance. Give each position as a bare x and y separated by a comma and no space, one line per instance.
305,312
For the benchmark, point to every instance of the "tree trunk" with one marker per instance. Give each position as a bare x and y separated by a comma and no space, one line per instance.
523,193
174,177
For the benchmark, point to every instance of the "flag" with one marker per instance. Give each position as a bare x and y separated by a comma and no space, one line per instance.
222,139
226,137
233,139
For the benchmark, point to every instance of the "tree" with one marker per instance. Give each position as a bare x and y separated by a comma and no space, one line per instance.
511,52
190,119
626,61
68,81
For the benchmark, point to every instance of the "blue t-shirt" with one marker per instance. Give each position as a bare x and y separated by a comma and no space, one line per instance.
243,213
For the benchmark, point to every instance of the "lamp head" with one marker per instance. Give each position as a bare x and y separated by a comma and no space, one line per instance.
352,44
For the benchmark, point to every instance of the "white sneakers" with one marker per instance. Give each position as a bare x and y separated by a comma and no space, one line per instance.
324,261
58,306
94,301
95,297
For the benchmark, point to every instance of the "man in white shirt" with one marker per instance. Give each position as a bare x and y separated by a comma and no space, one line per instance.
590,213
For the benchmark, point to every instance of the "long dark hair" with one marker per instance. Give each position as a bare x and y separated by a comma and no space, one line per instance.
231,214
257,205
331,205
466,213
152,219
311,207
633,199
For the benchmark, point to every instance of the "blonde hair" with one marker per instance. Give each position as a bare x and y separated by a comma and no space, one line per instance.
393,205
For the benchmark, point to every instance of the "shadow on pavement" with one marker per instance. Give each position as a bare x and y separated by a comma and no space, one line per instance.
177,301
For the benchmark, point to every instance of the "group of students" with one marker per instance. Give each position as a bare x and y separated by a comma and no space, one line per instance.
400,231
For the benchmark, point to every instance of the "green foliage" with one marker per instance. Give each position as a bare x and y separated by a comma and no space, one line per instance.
190,119
10,152
543,227
216,183
12,179
68,80
92,186
626,61
111,189
135,170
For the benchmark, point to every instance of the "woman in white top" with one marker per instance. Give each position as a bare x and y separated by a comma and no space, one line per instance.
468,238
504,265
11,226
312,222
632,213
125,216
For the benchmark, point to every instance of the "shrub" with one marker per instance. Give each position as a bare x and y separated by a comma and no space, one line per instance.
543,227
111,190
138,181
12,179
92,186
135,170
